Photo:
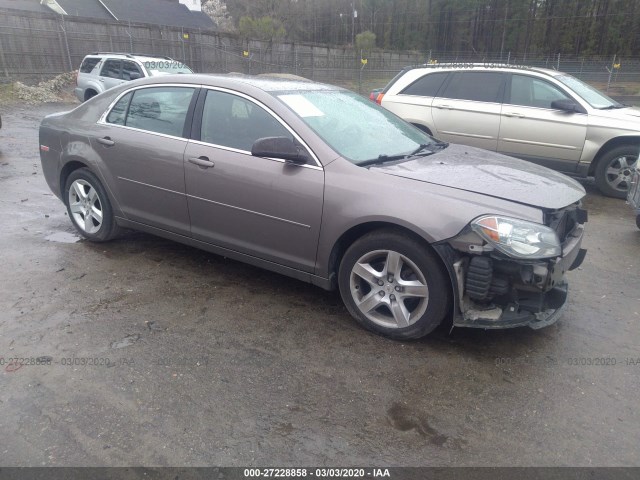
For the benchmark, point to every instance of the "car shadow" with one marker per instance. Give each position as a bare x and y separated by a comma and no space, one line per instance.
323,307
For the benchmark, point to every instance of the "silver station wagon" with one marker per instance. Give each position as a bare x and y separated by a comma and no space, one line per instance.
318,183
543,116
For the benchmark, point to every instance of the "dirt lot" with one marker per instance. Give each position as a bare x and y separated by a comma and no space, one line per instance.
196,360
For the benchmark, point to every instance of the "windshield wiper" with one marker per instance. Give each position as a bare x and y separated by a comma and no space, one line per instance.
381,159
423,149
614,107
429,148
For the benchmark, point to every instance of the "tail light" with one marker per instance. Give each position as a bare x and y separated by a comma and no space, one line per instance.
379,98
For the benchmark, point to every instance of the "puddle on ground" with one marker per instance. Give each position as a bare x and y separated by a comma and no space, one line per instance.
63,237
126,341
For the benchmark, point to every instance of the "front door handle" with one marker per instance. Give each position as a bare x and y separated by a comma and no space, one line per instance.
444,106
203,162
106,141
514,114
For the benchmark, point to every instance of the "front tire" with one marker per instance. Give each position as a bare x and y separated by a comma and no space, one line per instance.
88,206
613,171
393,285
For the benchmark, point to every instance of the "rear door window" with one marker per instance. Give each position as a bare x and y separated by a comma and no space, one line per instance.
476,86
118,113
111,69
158,109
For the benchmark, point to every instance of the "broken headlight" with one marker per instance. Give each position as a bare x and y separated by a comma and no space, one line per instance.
518,238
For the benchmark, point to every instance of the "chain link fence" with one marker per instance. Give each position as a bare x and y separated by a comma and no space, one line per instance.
35,46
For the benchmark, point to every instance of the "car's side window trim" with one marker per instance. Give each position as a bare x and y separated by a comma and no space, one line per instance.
199,112
188,120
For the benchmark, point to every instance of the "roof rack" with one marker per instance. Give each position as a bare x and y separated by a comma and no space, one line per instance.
132,55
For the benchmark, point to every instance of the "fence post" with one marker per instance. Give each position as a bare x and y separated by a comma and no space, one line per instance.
64,46
313,62
558,67
110,38
610,70
2,59
130,38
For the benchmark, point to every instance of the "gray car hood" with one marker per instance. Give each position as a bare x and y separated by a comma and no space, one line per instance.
490,173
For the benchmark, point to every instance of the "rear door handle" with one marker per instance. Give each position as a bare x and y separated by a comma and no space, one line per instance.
444,106
203,162
514,114
106,141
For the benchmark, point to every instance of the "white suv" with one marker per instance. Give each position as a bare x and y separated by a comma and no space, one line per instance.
540,115
101,71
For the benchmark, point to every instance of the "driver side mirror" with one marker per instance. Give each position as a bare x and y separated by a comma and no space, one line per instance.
279,147
135,76
566,106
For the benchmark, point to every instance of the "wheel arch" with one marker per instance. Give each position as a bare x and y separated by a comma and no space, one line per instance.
90,92
71,166
611,144
358,231
424,128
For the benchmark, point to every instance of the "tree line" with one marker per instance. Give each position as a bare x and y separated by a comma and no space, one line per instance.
529,27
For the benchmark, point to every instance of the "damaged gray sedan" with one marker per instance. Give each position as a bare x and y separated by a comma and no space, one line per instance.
317,183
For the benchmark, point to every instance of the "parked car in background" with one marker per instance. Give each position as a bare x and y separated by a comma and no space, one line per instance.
540,115
373,95
318,183
101,71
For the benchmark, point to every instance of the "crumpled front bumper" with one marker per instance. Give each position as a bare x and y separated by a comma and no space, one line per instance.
533,293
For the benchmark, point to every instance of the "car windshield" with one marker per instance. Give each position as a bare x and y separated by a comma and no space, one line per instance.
592,96
357,129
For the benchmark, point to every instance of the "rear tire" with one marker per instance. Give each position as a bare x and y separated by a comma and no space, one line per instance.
89,94
393,285
88,206
613,171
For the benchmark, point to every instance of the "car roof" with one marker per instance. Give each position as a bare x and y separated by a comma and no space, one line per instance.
487,66
137,56
267,83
